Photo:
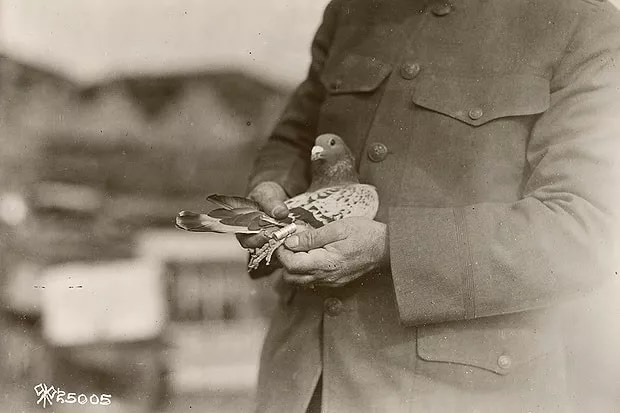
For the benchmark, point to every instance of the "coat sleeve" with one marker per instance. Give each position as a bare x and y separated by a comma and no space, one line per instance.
285,158
557,241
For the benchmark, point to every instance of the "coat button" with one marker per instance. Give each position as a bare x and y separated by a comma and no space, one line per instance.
377,152
476,113
441,9
333,306
409,70
504,362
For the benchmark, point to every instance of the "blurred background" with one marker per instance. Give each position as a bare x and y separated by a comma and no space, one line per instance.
115,115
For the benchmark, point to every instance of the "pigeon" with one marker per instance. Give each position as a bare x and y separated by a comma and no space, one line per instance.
335,193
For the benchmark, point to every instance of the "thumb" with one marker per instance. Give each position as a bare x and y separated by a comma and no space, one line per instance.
271,197
315,238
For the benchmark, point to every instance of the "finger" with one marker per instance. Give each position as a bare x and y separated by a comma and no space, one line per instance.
334,282
252,240
315,238
271,197
296,263
317,262
298,279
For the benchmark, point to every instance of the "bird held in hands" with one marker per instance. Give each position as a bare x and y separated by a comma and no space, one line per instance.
334,193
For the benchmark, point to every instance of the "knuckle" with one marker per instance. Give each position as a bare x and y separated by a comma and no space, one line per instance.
308,239
270,196
256,193
340,232
291,265
260,193
332,232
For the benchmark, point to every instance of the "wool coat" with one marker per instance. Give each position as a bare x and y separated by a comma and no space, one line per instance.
490,129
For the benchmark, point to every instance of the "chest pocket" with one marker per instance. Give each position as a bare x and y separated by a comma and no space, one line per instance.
354,74
476,101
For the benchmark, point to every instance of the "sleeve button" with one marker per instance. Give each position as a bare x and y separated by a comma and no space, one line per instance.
504,361
441,9
476,113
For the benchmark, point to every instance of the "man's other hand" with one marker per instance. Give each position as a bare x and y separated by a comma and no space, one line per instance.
336,254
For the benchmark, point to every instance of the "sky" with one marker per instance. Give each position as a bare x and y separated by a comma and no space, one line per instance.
95,39
88,40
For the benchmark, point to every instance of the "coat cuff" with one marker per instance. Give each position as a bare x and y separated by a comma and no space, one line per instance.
432,267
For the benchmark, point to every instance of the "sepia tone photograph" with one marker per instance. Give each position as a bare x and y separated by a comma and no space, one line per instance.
295,206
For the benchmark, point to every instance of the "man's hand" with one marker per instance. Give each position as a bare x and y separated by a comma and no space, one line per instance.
270,196
336,254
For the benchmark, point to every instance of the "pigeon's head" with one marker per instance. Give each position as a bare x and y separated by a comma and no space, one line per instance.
329,147
332,162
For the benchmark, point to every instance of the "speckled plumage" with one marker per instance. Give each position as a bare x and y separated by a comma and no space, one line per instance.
338,202
335,193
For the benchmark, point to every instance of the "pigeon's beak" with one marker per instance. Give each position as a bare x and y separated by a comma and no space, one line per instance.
317,153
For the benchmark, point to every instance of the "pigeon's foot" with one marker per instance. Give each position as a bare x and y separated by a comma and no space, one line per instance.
266,252
272,249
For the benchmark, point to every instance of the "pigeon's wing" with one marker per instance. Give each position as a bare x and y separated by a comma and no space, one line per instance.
190,221
308,199
234,215
333,203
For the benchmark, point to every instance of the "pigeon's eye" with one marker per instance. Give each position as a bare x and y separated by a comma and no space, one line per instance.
332,142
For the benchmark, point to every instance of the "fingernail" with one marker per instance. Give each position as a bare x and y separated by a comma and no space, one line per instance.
292,242
279,211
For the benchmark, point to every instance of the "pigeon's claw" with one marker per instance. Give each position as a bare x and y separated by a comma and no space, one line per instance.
266,252
256,257
263,253
273,246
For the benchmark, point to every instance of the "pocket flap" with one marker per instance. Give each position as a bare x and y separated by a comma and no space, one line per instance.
354,73
476,101
484,343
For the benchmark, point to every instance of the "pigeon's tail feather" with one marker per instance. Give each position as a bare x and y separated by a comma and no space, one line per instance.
233,202
191,221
